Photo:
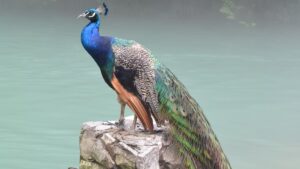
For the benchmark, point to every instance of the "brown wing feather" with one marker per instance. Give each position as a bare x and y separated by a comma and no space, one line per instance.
134,66
134,104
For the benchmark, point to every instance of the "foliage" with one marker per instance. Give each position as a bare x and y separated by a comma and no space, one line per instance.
232,11
228,9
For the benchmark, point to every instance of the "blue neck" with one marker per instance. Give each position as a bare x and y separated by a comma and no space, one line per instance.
99,47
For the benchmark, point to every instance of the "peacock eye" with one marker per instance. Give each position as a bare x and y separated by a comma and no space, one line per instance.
91,14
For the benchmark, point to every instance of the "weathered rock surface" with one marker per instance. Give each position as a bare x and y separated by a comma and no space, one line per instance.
105,146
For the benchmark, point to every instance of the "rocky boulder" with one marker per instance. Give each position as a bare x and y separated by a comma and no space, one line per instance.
103,145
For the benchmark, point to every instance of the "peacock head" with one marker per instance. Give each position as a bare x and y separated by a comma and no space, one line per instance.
94,14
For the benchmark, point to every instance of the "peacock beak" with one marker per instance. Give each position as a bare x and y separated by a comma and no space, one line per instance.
83,15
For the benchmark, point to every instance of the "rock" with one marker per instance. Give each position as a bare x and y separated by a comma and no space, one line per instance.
146,158
105,146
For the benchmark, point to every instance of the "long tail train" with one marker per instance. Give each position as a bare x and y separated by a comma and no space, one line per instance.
189,127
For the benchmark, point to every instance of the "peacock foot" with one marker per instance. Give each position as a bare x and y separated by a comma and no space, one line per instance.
121,123
132,127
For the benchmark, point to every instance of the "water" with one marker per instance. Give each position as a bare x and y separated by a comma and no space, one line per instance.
247,82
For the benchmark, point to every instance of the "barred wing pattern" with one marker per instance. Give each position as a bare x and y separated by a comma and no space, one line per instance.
134,67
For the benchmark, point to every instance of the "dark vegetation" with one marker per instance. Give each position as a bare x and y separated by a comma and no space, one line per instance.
249,13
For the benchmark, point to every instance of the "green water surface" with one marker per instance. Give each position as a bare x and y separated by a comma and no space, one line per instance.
246,81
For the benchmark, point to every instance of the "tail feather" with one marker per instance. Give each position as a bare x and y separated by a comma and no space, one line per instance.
189,127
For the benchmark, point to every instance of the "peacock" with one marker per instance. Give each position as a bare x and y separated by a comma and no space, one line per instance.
150,89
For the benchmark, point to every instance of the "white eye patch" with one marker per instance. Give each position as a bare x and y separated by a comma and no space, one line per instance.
92,15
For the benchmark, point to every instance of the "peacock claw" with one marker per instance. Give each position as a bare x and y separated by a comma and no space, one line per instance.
132,127
121,123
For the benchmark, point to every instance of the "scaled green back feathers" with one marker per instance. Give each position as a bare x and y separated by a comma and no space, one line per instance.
189,127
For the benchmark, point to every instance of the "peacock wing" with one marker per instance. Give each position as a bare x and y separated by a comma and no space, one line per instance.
135,70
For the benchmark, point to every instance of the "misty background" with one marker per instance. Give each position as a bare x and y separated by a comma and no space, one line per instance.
280,12
238,58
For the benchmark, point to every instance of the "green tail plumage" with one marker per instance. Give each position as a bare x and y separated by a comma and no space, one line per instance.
189,127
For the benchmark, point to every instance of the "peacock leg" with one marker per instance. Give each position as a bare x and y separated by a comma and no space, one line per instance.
133,123
121,118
